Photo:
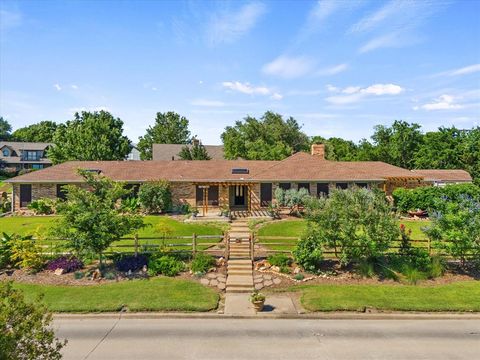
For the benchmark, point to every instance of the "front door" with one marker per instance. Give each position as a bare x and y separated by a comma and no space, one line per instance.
238,196
25,195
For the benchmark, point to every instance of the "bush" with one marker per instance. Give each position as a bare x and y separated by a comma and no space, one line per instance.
165,265
5,204
202,263
280,260
308,252
42,206
130,204
25,328
26,254
78,275
413,275
431,197
109,275
131,262
155,197
6,250
67,263
299,277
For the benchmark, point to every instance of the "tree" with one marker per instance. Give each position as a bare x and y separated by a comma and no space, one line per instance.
195,152
169,128
269,138
155,197
356,223
5,129
91,218
471,154
90,136
41,132
25,328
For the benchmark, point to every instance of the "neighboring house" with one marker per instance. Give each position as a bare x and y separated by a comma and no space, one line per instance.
171,151
236,184
134,154
24,155
444,177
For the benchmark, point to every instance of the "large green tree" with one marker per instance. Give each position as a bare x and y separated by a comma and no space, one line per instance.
90,136
169,128
268,138
41,132
5,129
195,152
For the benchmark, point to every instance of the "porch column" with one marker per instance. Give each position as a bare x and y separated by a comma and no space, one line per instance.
249,192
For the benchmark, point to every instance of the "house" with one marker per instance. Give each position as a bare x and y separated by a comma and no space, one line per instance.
444,177
170,152
210,184
24,155
134,153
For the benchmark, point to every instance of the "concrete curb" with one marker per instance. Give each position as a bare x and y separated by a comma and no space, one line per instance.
307,316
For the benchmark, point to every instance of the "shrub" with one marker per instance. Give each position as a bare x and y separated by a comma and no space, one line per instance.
299,277
26,254
67,263
155,197
165,265
109,275
436,268
78,275
5,203
366,269
130,204
413,275
308,252
285,270
42,206
279,260
25,328
202,263
6,250
131,262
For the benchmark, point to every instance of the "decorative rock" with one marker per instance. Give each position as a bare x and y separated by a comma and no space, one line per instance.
96,275
275,268
221,278
258,286
277,281
267,277
257,281
212,269
221,261
213,282
268,283
258,277
144,269
211,275
221,286
297,270
204,281
58,271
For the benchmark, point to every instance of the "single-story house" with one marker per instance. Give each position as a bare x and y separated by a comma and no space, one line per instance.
237,184
24,155
444,177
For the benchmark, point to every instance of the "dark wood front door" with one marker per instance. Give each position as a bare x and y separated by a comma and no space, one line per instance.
265,194
25,195
238,196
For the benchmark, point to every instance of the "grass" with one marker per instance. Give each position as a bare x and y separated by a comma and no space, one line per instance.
158,294
460,296
294,228
158,227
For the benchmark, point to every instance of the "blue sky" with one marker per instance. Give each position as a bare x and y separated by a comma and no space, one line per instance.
338,67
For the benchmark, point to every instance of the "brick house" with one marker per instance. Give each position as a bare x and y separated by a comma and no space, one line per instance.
237,184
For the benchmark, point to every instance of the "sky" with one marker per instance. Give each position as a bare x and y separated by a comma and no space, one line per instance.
338,67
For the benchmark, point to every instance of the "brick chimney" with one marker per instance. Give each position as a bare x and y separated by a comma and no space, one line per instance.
318,150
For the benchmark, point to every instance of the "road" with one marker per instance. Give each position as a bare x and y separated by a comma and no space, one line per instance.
269,339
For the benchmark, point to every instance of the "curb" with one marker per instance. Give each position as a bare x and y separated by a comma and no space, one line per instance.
307,316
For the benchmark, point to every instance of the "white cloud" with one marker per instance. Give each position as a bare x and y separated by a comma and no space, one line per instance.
332,70
74,87
207,103
443,102
288,67
387,40
247,88
57,86
461,71
226,27
356,93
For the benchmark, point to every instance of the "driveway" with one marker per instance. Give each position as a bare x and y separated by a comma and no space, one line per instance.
269,339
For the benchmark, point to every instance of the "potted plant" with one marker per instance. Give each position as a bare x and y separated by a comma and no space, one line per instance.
194,213
258,300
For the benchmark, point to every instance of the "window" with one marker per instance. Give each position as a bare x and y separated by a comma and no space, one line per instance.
31,156
265,194
304,186
342,186
240,171
322,189
362,185
37,166
61,192
212,195
285,186
6,152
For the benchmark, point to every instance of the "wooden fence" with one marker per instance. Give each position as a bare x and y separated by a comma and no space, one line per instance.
133,245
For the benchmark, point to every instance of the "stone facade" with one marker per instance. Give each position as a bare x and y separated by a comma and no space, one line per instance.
183,192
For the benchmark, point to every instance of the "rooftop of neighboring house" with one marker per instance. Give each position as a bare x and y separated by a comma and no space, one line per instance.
13,151
170,151
444,175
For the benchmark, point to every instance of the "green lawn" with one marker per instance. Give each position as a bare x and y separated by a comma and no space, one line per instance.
460,296
158,294
158,227
294,228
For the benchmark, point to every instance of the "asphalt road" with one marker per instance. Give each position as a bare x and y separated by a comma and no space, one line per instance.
269,339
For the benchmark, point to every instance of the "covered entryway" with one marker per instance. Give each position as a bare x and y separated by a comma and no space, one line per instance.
239,197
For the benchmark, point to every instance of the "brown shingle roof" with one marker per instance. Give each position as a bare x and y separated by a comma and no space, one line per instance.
171,151
444,175
298,167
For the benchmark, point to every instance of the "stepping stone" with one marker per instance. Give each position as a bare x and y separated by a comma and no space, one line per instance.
258,277
222,278
221,286
268,283
257,281
277,281
259,286
213,282
204,281
267,277
211,275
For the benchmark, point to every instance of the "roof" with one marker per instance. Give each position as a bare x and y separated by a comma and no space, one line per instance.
171,151
298,167
19,146
444,175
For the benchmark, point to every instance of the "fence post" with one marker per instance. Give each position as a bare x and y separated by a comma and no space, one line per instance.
136,244
194,244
